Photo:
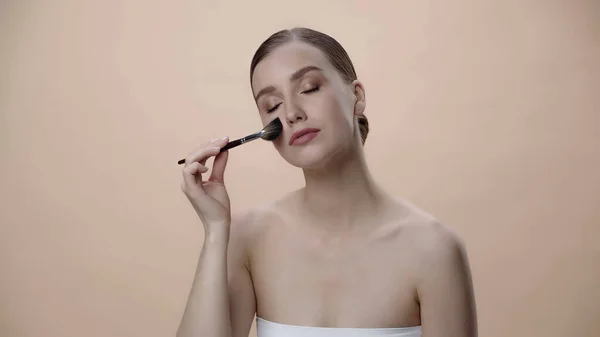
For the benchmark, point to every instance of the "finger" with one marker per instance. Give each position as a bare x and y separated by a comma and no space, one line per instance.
218,172
191,173
202,154
201,169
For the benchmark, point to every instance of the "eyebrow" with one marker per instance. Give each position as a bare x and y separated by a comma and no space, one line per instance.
295,76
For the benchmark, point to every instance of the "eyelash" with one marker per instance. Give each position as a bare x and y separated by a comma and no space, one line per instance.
273,108
310,91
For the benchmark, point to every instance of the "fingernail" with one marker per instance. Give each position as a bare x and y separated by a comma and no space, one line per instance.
223,138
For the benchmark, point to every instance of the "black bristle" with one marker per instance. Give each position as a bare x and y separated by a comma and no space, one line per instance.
273,130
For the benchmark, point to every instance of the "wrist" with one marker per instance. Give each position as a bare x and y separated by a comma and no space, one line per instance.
219,235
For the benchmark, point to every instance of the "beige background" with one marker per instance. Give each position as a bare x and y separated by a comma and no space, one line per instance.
486,114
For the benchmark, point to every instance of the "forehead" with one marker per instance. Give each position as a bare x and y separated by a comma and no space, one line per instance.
282,62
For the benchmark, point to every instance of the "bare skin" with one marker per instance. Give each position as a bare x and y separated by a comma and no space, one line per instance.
340,252
401,269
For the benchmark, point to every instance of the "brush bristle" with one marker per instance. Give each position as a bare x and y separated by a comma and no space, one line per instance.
272,130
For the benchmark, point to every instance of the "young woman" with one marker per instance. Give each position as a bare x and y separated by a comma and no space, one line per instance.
338,257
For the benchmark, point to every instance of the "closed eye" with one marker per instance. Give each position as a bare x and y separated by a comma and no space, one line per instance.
311,90
315,89
273,108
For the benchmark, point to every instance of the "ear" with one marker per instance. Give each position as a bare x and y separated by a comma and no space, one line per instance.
359,96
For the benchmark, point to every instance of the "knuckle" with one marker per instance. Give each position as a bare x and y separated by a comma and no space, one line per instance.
189,159
190,167
195,157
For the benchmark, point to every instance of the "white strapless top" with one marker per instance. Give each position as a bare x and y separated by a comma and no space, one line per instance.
266,328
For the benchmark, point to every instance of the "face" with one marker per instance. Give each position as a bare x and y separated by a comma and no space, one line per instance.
298,85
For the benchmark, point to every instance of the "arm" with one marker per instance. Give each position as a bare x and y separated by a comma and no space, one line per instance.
446,291
242,302
221,302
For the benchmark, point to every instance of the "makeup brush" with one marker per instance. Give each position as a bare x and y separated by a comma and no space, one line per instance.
270,133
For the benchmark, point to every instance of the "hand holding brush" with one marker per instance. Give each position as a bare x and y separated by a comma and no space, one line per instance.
209,197
270,133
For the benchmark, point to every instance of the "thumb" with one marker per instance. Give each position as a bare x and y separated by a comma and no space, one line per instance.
218,172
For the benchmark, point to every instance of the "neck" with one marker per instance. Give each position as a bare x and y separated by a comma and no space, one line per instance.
342,195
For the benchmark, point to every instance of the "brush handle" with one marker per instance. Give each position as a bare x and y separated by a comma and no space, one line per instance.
233,143
240,141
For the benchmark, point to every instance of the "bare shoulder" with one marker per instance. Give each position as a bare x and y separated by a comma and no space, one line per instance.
442,259
243,227
437,242
250,223
251,219
432,239
444,285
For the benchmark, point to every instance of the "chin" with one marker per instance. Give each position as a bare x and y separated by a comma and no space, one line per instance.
307,163
311,157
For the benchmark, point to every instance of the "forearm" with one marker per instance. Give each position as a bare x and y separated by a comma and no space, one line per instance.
207,310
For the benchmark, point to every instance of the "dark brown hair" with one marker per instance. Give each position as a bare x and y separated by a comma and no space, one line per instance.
334,52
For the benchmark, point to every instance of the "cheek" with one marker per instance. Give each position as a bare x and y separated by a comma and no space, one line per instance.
280,144
333,107
341,115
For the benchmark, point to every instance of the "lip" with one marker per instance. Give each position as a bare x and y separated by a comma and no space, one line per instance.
301,133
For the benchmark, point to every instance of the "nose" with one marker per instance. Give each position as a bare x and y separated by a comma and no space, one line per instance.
294,114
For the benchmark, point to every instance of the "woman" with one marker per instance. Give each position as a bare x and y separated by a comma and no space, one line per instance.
339,257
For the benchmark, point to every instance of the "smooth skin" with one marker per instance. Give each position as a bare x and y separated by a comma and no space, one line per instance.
339,252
